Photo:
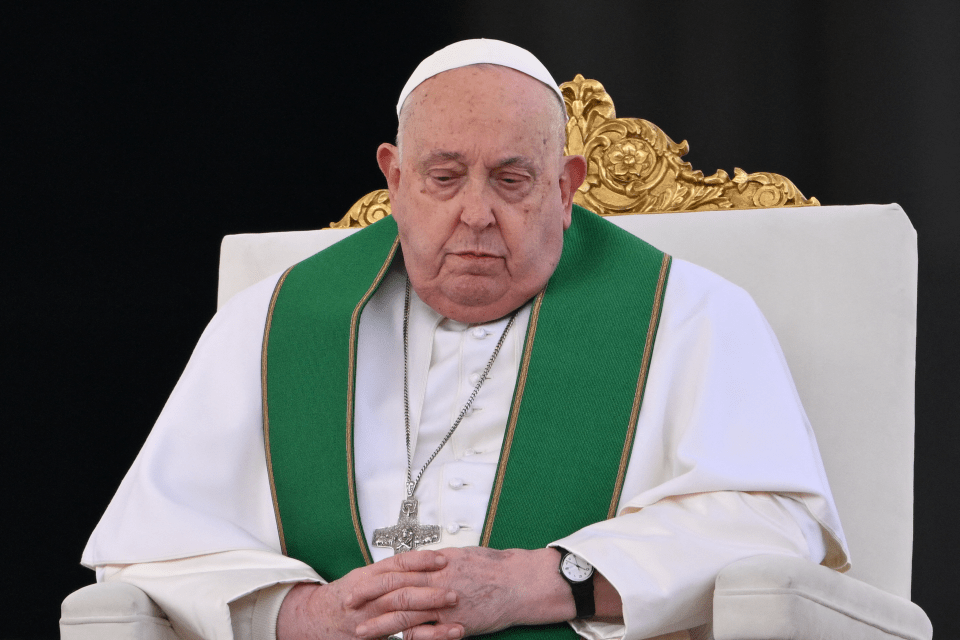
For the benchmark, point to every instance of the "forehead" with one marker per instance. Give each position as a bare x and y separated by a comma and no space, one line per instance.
479,106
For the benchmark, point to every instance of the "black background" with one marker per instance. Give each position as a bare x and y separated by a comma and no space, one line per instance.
135,135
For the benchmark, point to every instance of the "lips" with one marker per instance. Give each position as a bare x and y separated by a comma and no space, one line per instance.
475,255
476,262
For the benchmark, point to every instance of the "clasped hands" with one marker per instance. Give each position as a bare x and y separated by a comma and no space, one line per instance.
432,595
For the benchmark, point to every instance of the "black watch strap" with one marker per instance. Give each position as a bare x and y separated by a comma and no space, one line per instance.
582,591
583,598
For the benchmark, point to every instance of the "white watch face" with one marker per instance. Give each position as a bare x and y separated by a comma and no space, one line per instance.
575,568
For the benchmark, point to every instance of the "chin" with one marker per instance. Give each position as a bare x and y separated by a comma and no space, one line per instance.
477,303
473,293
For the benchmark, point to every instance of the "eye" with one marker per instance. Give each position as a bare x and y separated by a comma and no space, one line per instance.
511,177
512,185
443,177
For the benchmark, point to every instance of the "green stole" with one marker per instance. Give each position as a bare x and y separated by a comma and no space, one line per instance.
572,421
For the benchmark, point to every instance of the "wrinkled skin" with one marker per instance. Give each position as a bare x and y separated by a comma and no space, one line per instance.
391,595
482,192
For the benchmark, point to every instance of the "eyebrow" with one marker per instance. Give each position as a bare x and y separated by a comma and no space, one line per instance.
518,161
437,156
521,162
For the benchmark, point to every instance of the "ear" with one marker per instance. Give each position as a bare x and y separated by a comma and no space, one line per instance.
572,174
388,157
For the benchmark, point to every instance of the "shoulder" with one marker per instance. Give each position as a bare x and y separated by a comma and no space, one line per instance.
693,289
236,329
701,307
250,304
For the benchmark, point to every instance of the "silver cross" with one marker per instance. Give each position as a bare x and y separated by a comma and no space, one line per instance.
408,534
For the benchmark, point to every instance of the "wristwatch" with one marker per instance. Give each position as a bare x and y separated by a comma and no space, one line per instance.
579,575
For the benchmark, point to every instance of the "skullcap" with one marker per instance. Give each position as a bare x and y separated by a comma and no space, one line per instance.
479,51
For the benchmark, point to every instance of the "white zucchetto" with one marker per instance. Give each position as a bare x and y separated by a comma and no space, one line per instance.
478,51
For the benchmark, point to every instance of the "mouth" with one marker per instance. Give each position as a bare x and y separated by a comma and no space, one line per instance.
476,255
475,262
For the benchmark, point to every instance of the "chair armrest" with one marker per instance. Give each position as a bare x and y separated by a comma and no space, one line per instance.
113,611
771,597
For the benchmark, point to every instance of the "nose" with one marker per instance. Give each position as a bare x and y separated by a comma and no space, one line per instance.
476,206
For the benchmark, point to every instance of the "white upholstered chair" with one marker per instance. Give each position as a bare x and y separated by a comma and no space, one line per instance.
838,286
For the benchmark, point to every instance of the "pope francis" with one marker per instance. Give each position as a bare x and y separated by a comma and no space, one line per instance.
493,412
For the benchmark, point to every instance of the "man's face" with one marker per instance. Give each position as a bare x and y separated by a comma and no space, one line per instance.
482,194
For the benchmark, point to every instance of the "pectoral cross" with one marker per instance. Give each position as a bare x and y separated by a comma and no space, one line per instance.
408,534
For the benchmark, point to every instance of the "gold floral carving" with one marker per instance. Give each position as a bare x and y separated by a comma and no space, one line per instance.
632,167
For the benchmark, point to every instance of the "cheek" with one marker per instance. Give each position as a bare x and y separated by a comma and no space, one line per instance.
422,245
537,247
551,244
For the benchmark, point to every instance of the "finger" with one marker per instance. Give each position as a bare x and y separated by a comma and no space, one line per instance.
449,631
371,588
394,622
422,560
416,599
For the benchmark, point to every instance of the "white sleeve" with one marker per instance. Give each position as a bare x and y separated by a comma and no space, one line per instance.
223,596
254,616
663,560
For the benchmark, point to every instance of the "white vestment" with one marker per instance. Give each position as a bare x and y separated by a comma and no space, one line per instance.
724,465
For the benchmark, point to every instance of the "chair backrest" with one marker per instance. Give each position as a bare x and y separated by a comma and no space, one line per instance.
838,285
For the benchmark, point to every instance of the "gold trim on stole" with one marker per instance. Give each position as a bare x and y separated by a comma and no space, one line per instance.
351,375
263,404
641,384
512,424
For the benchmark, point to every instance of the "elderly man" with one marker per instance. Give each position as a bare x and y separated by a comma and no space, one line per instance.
486,361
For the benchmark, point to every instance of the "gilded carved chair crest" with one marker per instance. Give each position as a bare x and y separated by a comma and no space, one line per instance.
632,167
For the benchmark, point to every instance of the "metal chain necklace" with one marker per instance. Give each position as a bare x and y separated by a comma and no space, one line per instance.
408,534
